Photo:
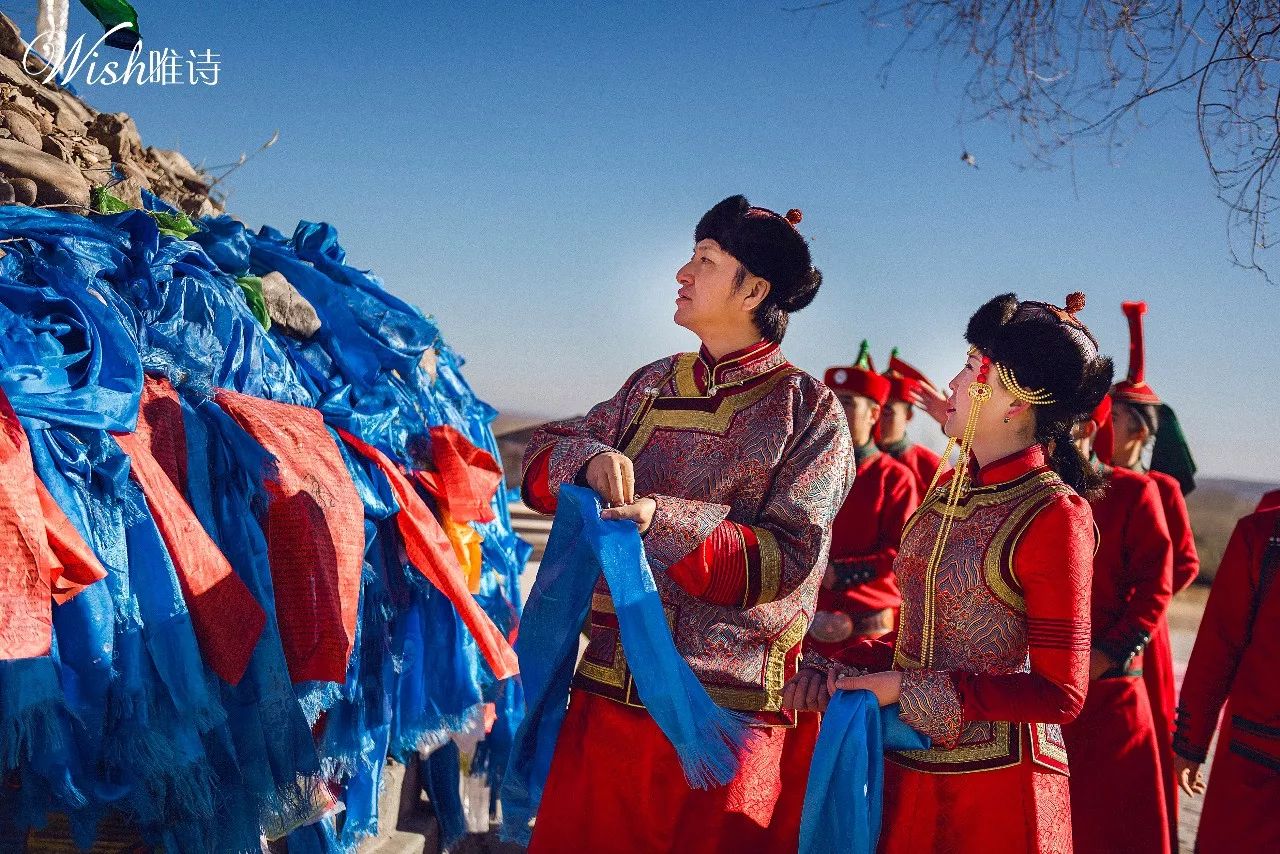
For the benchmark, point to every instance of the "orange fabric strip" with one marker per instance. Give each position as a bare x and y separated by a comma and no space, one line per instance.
466,477
226,617
432,554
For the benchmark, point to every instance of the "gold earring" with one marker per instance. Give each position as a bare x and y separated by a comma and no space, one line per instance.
1006,419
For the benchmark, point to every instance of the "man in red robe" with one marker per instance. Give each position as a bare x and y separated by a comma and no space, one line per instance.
1233,664
905,382
1115,754
859,596
733,463
1135,426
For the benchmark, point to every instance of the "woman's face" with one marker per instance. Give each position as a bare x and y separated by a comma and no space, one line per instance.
960,403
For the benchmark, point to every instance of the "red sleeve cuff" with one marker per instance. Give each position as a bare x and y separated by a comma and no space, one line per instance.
536,488
720,569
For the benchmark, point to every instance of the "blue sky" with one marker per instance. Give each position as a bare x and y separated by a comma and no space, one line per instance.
530,173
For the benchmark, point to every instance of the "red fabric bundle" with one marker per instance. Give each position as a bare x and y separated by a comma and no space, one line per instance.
432,554
227,619
315,535
44,556
465,479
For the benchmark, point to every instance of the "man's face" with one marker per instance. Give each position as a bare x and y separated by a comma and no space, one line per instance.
893,420
706,299
1126,426
861,413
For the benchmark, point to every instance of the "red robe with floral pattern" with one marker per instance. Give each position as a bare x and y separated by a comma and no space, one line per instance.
748,459
994,646
1115,755
1235,667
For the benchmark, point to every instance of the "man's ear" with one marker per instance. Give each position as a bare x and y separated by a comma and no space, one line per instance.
754,291
1088,429
874,409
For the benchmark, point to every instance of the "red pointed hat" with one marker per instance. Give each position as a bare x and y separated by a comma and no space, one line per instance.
859,378
1134,388
903,377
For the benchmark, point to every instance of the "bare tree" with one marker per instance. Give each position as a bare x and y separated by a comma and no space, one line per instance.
1062,73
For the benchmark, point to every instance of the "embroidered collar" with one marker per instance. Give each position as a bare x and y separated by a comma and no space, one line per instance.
1011,467
737,367
898,448
866,453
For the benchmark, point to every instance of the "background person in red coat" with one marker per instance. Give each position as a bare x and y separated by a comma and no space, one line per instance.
1117,793
859,596
1135,426
1234,663
896,414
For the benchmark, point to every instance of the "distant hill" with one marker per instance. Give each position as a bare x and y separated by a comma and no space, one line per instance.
1215,506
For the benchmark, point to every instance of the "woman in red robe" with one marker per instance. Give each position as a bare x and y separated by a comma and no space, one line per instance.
1233,664
992,652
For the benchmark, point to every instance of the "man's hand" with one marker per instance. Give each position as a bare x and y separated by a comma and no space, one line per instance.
931,401
806,691
613,477
886,685
641,512
1187,775
1099,663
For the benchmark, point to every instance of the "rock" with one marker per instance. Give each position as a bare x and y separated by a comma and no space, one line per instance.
128,191
7,196
118,133
57,147
56,182
288,309
24,190
28,108
175,163
11,44
21,127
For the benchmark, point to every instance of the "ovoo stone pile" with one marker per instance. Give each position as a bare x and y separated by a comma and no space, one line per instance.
54,148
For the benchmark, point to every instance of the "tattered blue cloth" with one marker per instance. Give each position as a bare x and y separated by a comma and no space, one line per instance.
845,794
581,547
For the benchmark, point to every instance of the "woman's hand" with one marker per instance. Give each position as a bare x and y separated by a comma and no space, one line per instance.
640,511
931,401
806,691
612,475
1187,775
886,685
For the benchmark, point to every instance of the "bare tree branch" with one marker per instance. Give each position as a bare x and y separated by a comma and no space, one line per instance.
1062,74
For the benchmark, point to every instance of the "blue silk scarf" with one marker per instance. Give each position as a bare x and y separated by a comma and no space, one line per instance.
582,546
843,801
